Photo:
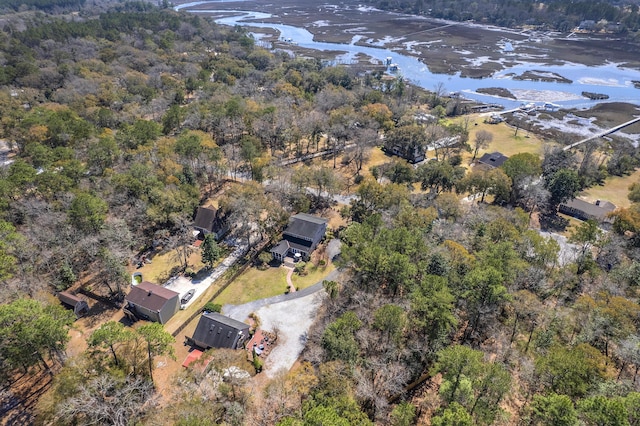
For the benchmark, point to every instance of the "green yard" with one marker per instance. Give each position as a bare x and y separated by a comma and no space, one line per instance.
504,139
315,274
615,190
255,284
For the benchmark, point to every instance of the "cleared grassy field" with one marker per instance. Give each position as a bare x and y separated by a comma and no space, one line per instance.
504,138
376,157
615,189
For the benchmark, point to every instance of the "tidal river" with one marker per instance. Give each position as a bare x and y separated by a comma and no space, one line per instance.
612,80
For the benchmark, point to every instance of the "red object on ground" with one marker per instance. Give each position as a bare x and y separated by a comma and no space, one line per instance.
255,340
194,355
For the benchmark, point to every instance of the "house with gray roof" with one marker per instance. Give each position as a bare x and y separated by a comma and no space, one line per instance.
585,210
302,235
218,331
151,302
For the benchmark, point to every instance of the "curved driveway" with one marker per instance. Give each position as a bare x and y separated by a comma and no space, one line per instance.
291,315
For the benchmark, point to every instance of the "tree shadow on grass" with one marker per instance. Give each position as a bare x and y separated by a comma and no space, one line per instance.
553,223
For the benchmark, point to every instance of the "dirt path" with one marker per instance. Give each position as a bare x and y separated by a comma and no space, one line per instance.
292,288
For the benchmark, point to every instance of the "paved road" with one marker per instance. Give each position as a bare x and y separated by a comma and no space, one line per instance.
241,312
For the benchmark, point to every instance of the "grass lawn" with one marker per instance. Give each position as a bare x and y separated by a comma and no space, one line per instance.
376,157
504,140
571,226
254,284
161,264
615,190
315,274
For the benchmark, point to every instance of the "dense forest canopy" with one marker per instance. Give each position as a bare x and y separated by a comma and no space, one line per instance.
555,14
451,308
46,5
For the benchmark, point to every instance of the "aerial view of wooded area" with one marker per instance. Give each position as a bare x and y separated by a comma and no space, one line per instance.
201,225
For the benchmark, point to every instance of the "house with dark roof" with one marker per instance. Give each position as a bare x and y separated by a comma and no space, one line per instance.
491,160
80,307
218,331
302,235
151,302
210,220
585,210
410,152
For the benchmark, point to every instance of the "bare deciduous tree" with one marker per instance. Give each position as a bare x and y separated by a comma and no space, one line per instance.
107,400
482,140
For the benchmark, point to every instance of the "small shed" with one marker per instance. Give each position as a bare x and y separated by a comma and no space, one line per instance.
80,307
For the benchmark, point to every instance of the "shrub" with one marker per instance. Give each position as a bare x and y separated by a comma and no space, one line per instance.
263,260
212,307
255,318
301,268
257,363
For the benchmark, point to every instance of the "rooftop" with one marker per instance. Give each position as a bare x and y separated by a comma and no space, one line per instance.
597,210
304,225
149,295
205,217
494,159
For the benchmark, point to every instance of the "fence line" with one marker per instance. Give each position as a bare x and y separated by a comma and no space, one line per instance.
253,253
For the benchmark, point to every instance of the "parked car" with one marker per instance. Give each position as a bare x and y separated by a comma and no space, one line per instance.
188,295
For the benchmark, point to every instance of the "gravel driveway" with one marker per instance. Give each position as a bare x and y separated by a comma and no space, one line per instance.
182,284
292,314
568,252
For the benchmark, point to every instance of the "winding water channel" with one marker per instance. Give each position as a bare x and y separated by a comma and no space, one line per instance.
610,79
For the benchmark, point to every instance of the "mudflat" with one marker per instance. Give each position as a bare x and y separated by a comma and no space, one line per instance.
471,48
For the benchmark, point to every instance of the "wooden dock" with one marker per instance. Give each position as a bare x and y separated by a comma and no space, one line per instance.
603,133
